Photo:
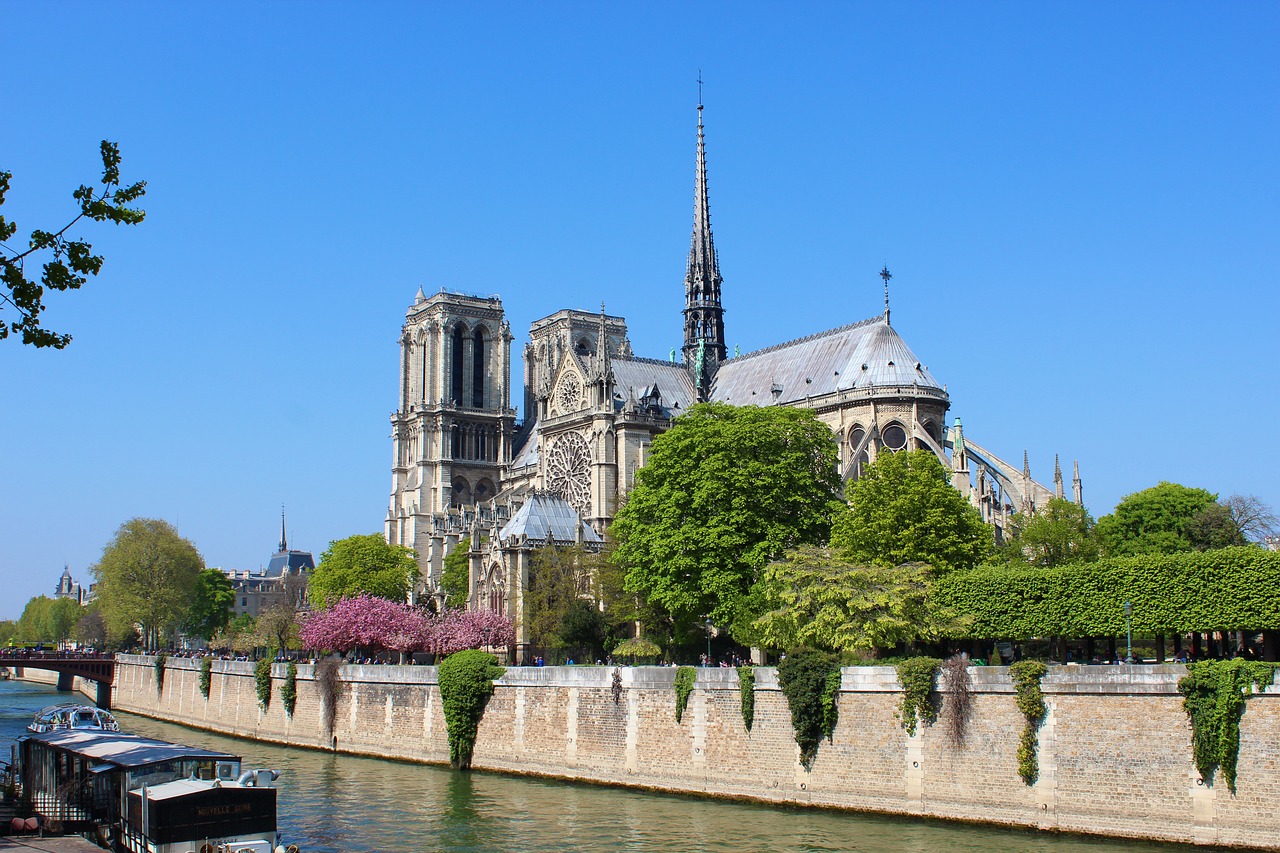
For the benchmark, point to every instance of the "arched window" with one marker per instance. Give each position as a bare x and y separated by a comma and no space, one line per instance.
477,369
461,492
455,393
895,437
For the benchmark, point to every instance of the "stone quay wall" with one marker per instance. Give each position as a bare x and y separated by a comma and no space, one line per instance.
1114,750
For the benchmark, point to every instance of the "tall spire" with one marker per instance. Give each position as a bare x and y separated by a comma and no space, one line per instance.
1057,479
284,543
1077,490
703,313
886,275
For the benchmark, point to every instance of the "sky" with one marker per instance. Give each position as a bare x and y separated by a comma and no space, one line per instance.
1078,202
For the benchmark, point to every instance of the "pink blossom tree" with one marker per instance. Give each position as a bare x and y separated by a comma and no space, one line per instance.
455,630
364,621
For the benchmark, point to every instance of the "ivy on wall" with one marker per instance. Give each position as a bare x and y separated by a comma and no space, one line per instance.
685,677
1229,588
262,681
206,675
466,683
805,676
159,666
916,675
958,706
1214,694
747,692
1026,677
289,689
329,680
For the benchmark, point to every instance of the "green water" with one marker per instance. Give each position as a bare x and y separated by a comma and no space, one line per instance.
343,804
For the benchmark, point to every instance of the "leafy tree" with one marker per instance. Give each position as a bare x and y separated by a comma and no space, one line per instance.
725,490
1214,527
91,629
210,604
816,598
70,262
362,565
458,630
278,621
556,580
455,579
1061,532
51,620
904,510
147,575
1255,519
240,635
582,626
1164,519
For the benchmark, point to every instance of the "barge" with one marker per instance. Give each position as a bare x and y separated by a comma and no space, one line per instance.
138,795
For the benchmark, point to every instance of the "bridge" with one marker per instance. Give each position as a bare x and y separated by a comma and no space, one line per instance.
98,667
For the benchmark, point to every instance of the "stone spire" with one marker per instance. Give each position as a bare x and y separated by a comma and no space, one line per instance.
703,313
1057,479
1077,489
603,368
284,543
1028,505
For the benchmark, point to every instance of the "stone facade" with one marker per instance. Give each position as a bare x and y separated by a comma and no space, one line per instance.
1114,752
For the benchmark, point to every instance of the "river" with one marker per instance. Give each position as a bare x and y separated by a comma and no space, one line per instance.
343,804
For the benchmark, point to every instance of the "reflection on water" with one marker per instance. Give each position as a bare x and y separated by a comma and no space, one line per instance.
344,804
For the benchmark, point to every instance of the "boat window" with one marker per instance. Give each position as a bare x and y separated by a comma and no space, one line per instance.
227,769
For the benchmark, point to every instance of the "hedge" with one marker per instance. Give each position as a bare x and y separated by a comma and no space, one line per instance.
1227,589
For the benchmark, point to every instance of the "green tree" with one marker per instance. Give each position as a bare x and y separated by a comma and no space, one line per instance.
1165,519
557,578
51,620
147,576
363,564
725,490
210,605
455,579
1061,532
91,629
70,262
904,510
817,598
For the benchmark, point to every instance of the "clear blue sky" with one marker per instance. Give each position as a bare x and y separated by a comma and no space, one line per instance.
1079,203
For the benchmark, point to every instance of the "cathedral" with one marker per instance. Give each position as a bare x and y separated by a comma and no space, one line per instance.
464,469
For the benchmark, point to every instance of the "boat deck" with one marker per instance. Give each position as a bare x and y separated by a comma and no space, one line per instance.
64,844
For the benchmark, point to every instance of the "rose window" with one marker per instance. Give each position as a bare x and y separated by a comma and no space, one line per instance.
569,393
569,471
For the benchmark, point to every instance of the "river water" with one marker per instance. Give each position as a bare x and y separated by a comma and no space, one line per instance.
344,804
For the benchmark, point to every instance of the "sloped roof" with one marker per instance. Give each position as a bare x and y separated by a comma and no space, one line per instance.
672,380
868,354
295,560
546,511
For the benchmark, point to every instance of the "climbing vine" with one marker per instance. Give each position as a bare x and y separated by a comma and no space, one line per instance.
289,689
262,681
958,706
1026,676
747,689
830,711
805,676
616,688
206,675
466,683
161,657
329,680
916,675
685,677
1214,694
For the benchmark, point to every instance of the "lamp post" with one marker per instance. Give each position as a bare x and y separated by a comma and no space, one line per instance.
709,626
1128,632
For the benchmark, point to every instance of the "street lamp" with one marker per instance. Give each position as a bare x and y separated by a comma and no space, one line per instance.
1128,631
709,627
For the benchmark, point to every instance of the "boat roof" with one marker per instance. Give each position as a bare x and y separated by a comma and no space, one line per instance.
176,788
123,750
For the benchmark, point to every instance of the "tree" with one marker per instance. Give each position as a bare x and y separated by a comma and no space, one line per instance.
362,565
725,490
817,598
455,579
1255,520
1061,532
1164,519
51,620
71,262
556,581
363,621
210,604
904,510
91,629
147,576
278,622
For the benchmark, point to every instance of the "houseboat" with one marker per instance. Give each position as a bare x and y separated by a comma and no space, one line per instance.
71,715
138,795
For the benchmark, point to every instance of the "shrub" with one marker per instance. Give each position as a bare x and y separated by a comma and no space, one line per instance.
747,690
466,683
206,676
804,678
1026,676
1214,698
685,677
916,675
289,690
262,681
161,657
830,711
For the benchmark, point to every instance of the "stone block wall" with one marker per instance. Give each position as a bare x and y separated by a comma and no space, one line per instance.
1115,748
